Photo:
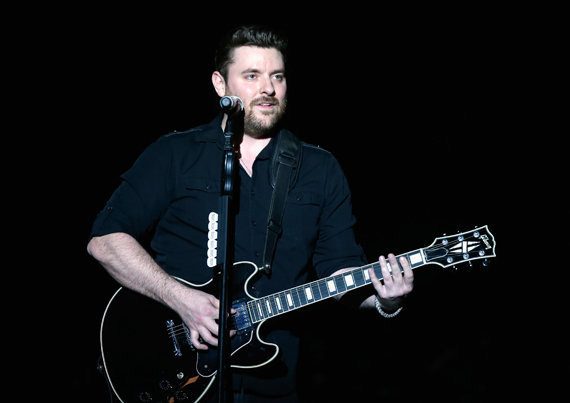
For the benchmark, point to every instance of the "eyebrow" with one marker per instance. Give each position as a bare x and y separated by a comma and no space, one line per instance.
253,70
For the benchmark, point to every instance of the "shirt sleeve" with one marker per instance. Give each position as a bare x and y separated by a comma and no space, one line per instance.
337,247
143,196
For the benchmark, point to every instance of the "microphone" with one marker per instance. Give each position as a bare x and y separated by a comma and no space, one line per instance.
231,104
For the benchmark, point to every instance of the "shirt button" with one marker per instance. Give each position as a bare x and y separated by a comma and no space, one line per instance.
254,223
256,254
253,192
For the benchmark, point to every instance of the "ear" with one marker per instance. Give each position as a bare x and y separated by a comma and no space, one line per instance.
219,83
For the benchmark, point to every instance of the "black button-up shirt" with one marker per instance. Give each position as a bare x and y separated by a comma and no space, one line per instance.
175,184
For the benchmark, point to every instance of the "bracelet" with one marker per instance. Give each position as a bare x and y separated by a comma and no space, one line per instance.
384,314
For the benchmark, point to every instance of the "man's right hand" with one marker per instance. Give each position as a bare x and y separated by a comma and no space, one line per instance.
200,312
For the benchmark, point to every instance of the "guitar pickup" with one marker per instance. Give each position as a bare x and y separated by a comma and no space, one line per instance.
173,336
241,319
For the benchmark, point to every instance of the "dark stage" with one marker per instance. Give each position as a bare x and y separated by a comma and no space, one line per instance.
417,115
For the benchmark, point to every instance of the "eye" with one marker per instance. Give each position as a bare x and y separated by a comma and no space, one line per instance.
279,77
250,77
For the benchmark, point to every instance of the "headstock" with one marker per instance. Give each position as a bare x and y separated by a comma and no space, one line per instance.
463,247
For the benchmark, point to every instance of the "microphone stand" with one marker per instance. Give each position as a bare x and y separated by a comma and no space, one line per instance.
226,238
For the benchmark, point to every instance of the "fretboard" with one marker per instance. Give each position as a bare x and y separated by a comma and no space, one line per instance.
319,290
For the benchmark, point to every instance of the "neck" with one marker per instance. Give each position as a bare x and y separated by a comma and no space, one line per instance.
253,145
249,150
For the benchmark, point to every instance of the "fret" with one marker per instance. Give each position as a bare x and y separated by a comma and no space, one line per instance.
316,291
290,301
340,284
302,296
332,287
324,290
273,299
263,308
284,303
366,275
358,276
309,294
260,310
377,270
257,311
253,312
296,298
273,304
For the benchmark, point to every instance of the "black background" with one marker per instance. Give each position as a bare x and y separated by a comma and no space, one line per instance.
417,106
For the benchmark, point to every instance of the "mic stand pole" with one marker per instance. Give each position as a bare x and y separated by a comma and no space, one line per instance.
226,237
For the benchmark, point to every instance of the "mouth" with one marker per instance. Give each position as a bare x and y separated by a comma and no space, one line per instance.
266,103
265,107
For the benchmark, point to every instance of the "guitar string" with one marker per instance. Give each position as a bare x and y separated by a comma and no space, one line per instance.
180,330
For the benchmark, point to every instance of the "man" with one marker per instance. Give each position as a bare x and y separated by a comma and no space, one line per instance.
175,184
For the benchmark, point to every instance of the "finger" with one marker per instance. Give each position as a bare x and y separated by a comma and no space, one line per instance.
396,270
408,272
216,304
196,342
386,273
376,283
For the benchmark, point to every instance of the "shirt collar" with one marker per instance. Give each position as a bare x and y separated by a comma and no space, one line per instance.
212,132
267,152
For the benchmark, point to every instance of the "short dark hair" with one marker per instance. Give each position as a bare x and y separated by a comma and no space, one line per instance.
248,35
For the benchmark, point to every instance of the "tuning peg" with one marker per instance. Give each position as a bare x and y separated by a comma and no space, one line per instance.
486,263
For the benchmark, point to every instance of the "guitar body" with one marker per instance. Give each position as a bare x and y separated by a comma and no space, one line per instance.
147,353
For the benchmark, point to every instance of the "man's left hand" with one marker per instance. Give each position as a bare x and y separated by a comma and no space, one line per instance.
395,285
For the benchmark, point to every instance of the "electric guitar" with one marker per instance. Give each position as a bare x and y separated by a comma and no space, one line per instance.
146,348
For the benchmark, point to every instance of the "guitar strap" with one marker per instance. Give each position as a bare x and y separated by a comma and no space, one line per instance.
284,172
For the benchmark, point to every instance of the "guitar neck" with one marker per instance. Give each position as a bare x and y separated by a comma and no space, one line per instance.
319,290
445,251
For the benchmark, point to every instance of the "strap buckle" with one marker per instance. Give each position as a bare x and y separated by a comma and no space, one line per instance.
275,227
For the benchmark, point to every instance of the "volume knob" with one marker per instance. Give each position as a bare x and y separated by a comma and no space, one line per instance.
145,397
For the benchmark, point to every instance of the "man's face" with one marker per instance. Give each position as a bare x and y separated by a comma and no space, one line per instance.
257,77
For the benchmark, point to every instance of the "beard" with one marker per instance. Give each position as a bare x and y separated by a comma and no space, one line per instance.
261,127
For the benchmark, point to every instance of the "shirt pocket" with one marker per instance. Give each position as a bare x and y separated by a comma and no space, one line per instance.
302,215
201,191
202,184
194,200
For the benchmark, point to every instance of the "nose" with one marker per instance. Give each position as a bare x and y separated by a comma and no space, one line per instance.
267,87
